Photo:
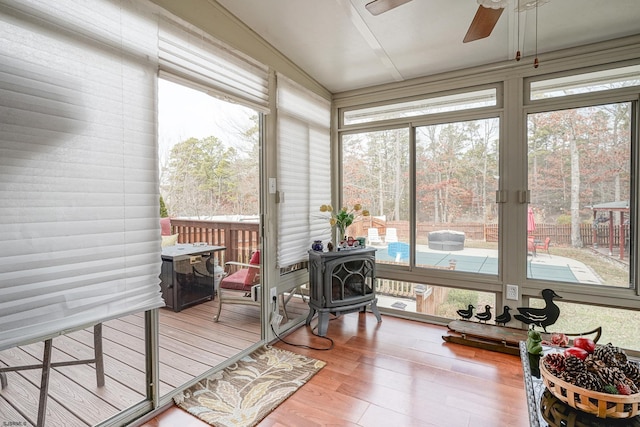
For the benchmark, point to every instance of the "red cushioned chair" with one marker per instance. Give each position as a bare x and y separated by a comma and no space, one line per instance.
544,246
235,288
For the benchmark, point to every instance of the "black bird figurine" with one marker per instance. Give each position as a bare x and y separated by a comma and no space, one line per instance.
466,314
485,315
542,317
505,317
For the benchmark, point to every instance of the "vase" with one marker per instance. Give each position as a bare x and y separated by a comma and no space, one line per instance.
340,237
317,245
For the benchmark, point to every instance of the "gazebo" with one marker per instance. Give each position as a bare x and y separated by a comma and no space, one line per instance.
622,207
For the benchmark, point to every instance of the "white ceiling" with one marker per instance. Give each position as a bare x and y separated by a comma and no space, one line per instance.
341,45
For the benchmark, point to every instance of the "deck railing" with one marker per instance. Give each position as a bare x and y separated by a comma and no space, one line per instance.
241,238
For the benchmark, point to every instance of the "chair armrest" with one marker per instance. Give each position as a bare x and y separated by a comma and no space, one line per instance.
242,264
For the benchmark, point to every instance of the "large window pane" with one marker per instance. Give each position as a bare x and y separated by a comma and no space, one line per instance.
579,178
585,83
438,301
375,169
456,179
619,326
420,107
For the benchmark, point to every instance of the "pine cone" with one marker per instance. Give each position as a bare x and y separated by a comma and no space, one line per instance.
632,386
574,366
619,357
593,364
589,381
632,371
611,355
554,363
611,375
603,352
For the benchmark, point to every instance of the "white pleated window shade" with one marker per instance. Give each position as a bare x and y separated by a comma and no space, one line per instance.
304,170
79,218
200,61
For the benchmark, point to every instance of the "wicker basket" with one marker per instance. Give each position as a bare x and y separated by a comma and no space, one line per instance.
603,405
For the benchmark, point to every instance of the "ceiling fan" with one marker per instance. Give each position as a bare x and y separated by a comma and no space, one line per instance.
484,21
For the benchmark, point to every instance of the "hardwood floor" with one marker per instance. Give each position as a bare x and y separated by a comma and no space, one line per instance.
394,373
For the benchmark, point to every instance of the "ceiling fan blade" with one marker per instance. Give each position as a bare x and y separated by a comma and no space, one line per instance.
376,7
482,24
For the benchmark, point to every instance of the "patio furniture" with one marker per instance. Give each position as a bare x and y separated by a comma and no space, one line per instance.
185,276
446,240
391,236
46,365
531,246
242,286
373,236
544,246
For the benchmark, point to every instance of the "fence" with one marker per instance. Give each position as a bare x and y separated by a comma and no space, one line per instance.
560,234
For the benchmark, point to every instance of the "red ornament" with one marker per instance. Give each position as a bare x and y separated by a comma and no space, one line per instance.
586,344
577,352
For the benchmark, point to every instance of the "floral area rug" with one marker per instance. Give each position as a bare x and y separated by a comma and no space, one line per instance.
244,393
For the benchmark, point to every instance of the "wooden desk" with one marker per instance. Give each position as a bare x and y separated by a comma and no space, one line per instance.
187,275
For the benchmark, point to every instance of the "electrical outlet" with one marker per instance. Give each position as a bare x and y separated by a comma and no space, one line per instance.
512,292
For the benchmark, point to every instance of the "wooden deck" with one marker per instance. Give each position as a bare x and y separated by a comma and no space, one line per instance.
190,343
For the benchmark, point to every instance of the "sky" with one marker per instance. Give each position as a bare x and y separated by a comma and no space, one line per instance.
184,113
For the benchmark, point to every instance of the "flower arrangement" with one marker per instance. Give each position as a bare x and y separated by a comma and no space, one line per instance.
344,217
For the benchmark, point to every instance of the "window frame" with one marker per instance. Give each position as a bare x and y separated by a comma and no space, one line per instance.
512,110
582,292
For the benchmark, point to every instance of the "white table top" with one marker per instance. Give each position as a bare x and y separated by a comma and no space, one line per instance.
188,249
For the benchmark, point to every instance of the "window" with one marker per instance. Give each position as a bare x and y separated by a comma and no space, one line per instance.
579,224
619,326
576,84
430,190
423,106
456,178
561,200
435,301
375,172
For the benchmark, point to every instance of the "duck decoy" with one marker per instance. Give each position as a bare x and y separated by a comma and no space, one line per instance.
485,315
466,314
505,317
541,317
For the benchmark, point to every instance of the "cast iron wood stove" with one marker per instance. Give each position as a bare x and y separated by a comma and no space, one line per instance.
341,282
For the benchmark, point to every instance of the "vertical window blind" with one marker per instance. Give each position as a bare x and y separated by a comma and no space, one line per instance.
79,218
304,170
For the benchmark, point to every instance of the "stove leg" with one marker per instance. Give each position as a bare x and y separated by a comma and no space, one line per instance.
323,323
374,309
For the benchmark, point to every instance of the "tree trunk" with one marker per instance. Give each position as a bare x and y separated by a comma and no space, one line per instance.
576,240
